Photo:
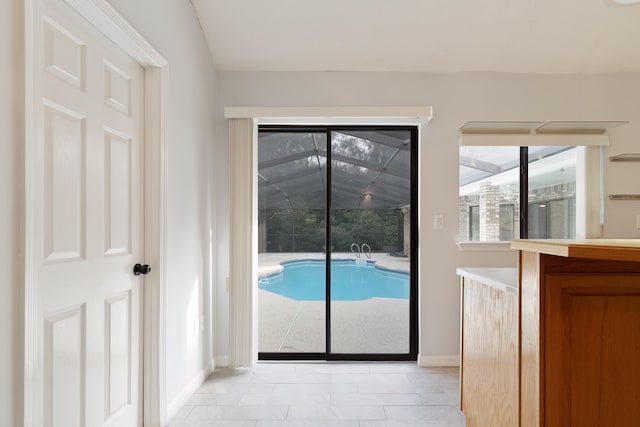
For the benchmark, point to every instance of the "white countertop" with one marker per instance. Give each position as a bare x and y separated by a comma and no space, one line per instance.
601,249
505,279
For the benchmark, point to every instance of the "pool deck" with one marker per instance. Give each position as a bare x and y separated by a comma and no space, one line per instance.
376,325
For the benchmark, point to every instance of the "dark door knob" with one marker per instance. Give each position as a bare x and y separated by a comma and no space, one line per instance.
139,269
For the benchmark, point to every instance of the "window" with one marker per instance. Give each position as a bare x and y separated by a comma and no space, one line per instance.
553,219
497,205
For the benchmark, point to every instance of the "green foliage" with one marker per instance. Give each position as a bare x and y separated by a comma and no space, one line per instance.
303,230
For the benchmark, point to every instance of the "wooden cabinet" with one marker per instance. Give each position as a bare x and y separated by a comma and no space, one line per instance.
562,347
579,333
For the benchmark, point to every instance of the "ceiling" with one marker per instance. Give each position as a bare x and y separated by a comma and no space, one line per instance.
514,36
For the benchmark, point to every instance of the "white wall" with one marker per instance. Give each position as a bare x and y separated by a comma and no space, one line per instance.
172,28
456,99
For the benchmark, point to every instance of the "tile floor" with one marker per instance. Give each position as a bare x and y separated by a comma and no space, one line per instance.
326,395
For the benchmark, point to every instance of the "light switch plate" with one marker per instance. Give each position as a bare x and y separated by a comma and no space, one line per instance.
438,222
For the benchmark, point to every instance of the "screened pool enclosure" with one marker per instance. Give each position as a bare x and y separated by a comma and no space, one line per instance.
340,201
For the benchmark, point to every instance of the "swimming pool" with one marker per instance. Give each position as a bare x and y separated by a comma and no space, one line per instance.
350,281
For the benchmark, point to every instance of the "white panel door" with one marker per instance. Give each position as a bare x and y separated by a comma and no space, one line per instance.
90,154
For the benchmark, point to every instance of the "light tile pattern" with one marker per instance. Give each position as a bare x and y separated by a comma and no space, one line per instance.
327,394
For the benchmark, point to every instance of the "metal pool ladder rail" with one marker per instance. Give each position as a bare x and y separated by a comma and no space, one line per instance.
368,253
359,250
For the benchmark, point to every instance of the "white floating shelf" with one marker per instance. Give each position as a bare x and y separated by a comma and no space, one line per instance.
626,157
624,196
578,128
509,128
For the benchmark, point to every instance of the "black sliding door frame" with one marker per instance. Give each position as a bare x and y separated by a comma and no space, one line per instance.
328,355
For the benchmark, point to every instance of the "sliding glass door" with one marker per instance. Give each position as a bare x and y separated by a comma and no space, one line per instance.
336,243
292,197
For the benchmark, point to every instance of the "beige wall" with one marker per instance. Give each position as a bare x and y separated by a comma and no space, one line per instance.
11,212
456,98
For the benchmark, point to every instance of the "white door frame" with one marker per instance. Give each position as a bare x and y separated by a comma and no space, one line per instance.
107,20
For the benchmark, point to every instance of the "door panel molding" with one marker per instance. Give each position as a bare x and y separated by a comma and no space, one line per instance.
108,21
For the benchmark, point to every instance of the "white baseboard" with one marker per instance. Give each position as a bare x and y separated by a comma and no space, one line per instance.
434,361
187,391
424,361
221,361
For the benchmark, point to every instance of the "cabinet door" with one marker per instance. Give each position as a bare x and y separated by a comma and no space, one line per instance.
592,350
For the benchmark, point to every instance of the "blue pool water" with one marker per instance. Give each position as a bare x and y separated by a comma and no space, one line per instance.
350,281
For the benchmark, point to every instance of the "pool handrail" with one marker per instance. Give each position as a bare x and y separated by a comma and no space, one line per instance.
356,254
368,254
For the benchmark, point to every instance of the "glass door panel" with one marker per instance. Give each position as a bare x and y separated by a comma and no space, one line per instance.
292,177
552,193
370,230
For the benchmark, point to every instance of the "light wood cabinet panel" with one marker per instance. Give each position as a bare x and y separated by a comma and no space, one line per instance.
530,343
489,374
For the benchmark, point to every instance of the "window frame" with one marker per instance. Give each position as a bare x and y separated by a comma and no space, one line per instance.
589,202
